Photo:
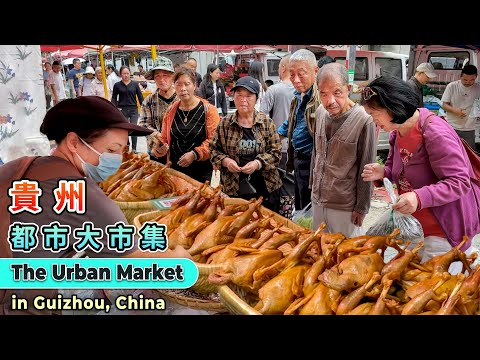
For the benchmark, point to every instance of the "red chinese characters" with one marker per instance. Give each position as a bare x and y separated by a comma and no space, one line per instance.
25,196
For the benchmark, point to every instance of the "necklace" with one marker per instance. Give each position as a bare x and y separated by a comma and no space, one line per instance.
185,117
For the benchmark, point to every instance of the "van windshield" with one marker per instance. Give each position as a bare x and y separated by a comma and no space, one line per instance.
361,67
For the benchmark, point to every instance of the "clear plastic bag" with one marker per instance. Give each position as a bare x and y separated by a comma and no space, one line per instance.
410,228
475,112
304,217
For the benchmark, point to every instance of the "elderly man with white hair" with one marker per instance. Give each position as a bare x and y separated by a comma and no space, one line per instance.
300,125
98,88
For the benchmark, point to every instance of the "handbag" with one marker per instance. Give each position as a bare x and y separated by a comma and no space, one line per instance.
246,188
472,155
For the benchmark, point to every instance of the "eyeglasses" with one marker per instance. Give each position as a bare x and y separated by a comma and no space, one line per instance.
367,93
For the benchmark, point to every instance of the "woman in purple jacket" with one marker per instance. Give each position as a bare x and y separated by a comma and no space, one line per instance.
428,163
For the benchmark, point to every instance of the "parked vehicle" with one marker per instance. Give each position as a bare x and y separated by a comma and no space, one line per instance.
448,63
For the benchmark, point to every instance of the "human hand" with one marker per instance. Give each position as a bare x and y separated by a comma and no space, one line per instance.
186,159
462,113
250,167
231,165
372,172
357,218
407,203
160,151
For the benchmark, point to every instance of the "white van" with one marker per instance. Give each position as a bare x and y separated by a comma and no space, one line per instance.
448,63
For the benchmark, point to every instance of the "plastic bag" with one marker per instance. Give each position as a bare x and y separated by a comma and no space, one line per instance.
410,228
475,112
304,217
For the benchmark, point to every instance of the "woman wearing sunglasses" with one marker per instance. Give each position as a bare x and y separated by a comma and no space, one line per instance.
430,166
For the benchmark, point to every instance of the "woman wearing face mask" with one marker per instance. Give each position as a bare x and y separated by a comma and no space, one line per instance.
90,133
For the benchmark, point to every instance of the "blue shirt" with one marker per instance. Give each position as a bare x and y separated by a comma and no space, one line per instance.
302,141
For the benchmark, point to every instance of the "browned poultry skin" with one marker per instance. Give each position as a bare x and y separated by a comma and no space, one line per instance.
329,239
375,243
292,259
214,234
247,231
191,206
352,300
120,174
321,301
226,251
401,263
182,200
172,219
346,247
470,293
352,272
278,240
362,309
233,209
311,277
278,293
185,233
440,264
264,236
417,304
423,285
239,269
244,218
380,307
448,307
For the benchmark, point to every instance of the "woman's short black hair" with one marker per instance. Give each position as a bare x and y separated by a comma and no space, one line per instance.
392,94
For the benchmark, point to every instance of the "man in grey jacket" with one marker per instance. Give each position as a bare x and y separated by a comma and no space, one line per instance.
344,143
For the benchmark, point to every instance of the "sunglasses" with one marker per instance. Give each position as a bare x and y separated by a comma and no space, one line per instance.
367,93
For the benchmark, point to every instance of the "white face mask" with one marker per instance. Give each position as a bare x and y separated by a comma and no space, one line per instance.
108,165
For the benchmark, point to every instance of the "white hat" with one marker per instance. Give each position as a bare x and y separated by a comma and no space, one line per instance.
89,70
428,69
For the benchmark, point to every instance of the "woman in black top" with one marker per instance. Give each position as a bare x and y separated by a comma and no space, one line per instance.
212,89
124,97
187,128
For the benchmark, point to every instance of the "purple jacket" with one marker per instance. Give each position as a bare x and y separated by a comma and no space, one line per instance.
440,173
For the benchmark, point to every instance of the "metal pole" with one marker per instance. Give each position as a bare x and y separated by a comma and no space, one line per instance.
102,64
154,52
350,62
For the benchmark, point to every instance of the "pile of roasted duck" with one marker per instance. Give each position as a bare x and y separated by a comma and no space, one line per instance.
281,271
140,179
200,221
349,276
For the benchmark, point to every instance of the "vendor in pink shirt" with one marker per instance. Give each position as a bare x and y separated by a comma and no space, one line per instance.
428,162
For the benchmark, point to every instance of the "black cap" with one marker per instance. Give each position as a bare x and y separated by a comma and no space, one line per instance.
249,83
86,113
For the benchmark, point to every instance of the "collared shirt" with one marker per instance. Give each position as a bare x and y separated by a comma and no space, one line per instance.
152,111
225,143
301,139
